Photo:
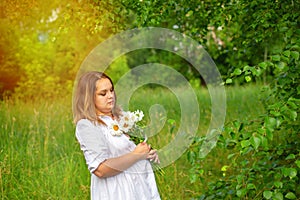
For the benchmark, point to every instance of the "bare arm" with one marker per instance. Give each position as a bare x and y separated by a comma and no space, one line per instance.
114,166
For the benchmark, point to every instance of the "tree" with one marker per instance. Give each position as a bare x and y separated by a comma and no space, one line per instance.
43,44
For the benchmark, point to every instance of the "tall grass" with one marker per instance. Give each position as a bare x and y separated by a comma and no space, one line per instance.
40,157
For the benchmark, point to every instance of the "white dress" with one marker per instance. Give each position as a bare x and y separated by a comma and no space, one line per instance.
97,144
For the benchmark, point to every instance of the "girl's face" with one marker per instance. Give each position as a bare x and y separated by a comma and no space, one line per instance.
104,97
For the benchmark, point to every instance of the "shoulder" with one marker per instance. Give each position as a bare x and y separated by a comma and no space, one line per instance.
85,124
86,128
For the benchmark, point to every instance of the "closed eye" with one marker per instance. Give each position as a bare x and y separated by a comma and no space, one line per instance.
104,92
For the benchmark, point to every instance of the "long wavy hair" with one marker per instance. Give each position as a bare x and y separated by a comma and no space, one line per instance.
84,98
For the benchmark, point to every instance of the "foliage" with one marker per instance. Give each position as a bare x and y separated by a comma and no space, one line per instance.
118,68
265,155
41,50
235,33
53,39
188,17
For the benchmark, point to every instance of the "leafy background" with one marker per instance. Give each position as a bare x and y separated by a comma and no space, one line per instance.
255,44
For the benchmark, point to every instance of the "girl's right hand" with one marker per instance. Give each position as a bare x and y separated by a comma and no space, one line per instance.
142,149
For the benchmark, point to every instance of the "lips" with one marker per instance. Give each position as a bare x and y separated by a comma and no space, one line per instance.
110,102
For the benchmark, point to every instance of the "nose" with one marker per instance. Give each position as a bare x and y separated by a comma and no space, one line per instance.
111,94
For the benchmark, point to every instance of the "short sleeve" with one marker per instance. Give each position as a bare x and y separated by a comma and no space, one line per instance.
92,143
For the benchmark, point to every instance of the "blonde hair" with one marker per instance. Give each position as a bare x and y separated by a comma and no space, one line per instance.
84,98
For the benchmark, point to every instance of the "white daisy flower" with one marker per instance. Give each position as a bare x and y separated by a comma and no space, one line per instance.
139,114
125,122
115,129
125,126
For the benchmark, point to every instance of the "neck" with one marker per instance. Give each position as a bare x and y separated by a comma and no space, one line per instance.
105,114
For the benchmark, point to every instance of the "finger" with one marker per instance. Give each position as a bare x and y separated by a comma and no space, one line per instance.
151,157
157,160
152,152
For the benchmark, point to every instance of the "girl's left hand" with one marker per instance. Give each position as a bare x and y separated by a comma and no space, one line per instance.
152,156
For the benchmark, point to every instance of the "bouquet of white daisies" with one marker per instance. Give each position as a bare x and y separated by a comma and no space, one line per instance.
129,123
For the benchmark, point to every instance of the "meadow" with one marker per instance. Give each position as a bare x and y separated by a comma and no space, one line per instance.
41,159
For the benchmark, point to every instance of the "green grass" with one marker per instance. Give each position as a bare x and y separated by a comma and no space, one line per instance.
40,157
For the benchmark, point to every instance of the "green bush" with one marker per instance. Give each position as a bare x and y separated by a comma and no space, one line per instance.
263,154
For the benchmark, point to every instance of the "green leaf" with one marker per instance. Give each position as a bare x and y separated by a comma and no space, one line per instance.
240,178
246,135
278,196
290,195
295,47
247,68
287,53
255,142
293,115
284,108
228,81
248,78
263,65
237,72
264,143
275,58
270,123
241,192
289,114
290,172
256,71
297,163
295,55
290,156
269,134
292,104
275,113
278,184
153,21
283,62
251,186
236,124
267,194
283,28
238,186
245,143
279,152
